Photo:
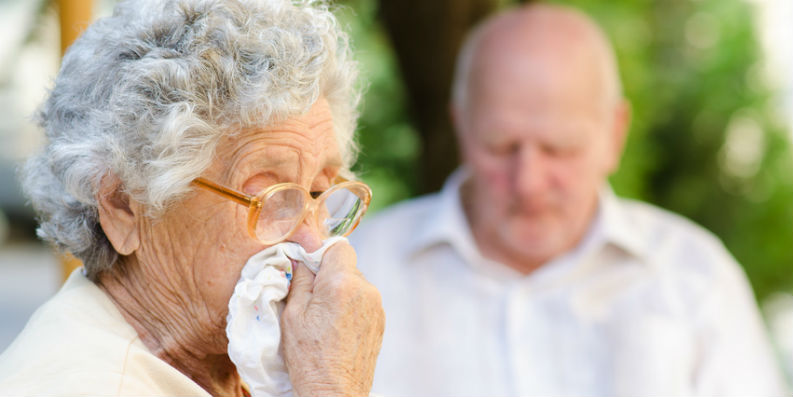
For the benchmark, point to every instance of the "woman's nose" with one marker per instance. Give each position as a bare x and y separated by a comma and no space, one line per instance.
307,235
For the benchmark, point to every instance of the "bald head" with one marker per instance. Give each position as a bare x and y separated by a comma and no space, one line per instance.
551,43
541,124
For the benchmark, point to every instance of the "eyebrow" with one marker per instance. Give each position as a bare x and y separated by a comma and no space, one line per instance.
273,162
334,161
267,162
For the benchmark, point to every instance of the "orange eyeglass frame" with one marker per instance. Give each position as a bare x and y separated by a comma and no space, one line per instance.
254,203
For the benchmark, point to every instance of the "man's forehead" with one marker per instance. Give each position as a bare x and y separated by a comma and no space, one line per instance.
539,67
549,46
541,24
534,98
501,125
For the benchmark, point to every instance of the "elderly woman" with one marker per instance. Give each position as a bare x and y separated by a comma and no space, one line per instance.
183,137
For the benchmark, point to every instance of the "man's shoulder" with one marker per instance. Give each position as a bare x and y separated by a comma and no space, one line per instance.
661,225
676,243
689,260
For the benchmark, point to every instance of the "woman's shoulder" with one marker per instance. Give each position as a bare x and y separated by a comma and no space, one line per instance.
79,343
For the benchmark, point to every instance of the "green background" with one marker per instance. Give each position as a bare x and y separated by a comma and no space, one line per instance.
704,141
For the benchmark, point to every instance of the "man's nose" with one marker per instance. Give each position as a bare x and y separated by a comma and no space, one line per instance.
307,235
529,170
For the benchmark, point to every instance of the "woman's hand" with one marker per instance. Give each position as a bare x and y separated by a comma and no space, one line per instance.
332,327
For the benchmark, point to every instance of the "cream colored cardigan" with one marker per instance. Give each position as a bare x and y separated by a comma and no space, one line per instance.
78,343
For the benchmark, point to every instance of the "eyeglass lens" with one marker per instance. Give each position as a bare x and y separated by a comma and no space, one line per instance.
342,209
281,211
279,214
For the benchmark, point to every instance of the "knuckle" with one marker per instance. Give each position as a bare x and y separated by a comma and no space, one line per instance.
344,253
350,253
342,283
380,326
372,294
345,248
290,316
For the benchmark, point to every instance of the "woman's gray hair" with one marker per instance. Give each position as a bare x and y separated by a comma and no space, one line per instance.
147,93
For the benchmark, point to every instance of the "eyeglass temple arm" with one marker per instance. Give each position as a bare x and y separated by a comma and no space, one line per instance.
238,197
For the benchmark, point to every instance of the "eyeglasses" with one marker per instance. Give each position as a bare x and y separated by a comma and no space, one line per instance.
277,211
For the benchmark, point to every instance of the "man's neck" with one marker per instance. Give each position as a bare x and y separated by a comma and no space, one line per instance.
500,253
166,331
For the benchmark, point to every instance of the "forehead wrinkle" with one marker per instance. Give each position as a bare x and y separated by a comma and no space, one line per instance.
309,136
327,120
305,160
263,159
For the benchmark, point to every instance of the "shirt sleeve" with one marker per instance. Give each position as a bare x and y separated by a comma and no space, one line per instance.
736,357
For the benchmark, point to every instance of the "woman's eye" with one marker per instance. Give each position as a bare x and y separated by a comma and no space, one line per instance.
315,194
258,183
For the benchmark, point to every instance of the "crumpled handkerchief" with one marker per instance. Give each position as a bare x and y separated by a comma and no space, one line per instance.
255,307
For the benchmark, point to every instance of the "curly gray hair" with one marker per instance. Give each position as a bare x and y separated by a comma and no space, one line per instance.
147,94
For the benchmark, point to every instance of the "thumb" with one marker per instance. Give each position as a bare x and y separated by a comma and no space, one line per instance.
302,287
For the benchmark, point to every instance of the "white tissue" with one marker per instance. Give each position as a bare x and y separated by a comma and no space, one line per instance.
252,328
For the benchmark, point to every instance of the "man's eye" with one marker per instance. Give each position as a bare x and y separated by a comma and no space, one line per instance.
505,149
316,194
558,151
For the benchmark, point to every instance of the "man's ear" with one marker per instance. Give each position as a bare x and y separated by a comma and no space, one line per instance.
458,124
619,132
454,115
116,215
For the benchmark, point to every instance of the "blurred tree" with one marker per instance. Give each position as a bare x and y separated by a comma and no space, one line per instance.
702,143
426,36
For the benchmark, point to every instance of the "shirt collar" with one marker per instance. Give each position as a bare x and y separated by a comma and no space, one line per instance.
447,224
618,227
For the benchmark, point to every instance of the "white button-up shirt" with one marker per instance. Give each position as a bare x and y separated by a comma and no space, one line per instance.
647,304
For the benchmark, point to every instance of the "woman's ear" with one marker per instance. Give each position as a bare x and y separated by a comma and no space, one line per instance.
117,217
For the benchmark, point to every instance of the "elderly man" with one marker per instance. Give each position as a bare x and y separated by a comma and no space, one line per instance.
526,275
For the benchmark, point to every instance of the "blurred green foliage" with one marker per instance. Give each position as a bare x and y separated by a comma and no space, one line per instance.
389,144
703,142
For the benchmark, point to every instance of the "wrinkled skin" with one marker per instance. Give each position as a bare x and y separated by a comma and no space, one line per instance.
178,272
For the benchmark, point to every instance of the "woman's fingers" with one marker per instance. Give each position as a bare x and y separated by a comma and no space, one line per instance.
300,290
339,257
332,333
